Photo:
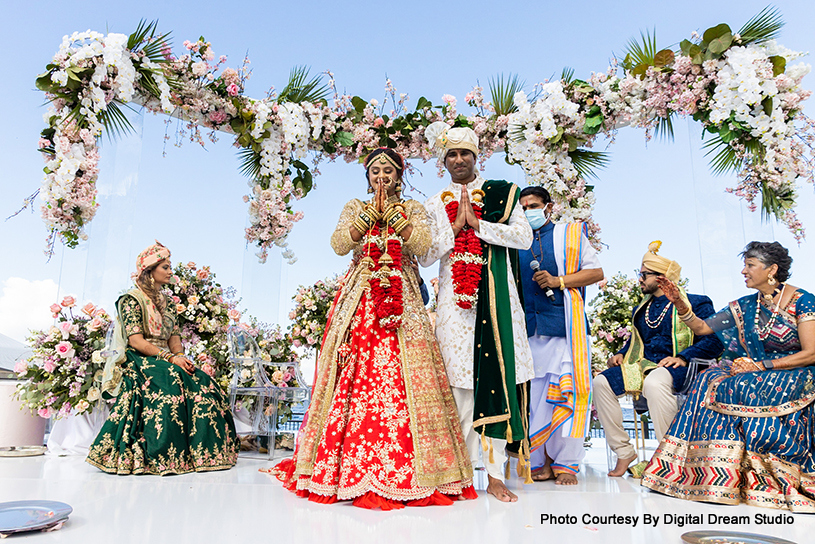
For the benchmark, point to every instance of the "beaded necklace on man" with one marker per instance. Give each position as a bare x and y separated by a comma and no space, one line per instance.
655,323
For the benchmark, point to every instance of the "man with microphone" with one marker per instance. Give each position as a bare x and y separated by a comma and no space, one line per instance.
554,274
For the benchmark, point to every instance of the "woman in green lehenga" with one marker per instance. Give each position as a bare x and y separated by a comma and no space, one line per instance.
169,417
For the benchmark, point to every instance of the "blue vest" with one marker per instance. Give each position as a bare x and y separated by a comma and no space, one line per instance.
543,317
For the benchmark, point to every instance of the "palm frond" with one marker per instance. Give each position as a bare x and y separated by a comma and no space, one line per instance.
115,121
665,129
774,203
503,93
764,26
642,52
567,75
724,158
587,162
249,162
302,89
144,39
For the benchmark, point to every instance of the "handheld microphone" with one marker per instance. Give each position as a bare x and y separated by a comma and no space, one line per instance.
536,266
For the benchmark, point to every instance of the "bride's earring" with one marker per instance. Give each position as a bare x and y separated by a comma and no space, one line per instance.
772,281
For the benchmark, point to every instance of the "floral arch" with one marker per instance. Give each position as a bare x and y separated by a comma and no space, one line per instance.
743,87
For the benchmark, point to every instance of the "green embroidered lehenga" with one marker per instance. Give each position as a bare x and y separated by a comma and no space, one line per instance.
164,421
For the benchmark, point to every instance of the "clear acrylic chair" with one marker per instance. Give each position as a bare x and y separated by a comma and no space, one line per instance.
251,379
640,407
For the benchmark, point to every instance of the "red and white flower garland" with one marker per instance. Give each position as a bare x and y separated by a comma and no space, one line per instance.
386,279
467,255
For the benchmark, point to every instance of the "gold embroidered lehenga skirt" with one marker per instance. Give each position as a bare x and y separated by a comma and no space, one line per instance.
382,428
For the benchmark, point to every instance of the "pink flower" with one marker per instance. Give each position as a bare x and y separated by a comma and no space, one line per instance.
68,302
44,413
208,369
67,329
21,367
99,312
218,116
378,122
49,366
233,90
191,265
95,324
56,309
64,350
234,315
202,274
88,308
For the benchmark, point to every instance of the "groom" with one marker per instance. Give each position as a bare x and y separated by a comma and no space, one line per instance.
480,320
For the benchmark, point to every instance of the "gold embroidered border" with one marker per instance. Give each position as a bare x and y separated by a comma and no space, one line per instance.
784,409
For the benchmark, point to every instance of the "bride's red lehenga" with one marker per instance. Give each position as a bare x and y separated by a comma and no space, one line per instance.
382,428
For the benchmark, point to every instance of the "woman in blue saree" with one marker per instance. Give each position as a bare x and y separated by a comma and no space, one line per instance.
746,433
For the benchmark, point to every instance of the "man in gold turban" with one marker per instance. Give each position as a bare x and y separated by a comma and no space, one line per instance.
479,222
654,361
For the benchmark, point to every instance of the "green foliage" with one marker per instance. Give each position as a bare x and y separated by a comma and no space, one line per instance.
302,89
503,93
115,121
641,53
765,26
665,128
587,161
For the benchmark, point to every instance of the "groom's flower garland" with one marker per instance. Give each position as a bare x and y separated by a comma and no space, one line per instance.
747,93
467,255
386,277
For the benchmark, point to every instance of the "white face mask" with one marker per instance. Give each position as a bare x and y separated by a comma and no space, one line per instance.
537,218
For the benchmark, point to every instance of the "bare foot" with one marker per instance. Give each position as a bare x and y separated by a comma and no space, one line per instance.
622,466
497,489
564,478
543,474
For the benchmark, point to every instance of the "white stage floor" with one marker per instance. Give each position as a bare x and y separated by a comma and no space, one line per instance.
244,505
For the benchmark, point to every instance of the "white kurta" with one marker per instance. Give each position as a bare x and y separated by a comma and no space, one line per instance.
455,326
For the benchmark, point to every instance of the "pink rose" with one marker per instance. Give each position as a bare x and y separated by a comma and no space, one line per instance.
233,90
66,328
191,265
88,309
68,302
218,116
64,350
21,367
99,312
202,274
44,413
208,369
55,309
49,366
176,299
95,324
234,315
378,122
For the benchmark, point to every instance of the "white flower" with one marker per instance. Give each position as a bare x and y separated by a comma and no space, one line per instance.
199,68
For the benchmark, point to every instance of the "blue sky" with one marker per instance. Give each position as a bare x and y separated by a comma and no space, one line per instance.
190,199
